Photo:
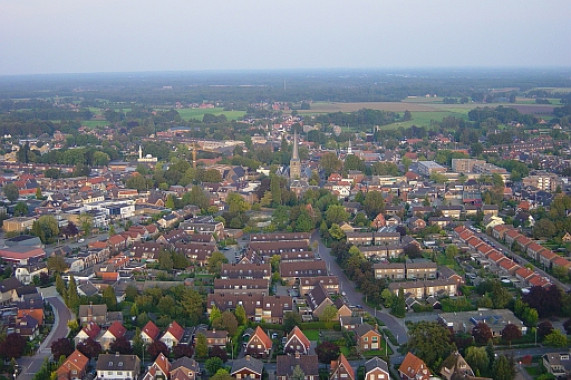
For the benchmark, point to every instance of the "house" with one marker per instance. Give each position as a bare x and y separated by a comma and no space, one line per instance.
413,368
217,338
150,333
160,369
247,368
259,345
341,369
291,272
422,289
27,327
376,369
557,364
350,323
115,331
368,337
74,367
296,342
496,319
117,367
318,299
90,331
185,369
420,269
287,364
173,335
394,271
93,313
456,367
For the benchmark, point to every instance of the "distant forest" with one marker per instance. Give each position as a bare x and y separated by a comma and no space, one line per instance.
236,90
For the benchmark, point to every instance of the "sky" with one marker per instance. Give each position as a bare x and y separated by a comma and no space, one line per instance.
86,36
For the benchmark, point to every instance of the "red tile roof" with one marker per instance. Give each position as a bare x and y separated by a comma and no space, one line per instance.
414,368
261,334
175,330
117,329
151,330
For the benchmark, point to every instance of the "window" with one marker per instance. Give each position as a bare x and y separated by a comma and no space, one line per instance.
366,339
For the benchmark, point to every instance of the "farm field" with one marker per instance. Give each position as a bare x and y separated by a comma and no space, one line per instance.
94,123
198,113
423,110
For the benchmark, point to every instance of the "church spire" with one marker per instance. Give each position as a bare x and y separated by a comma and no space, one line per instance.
295,153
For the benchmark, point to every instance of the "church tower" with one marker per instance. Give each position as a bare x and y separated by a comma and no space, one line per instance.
295,163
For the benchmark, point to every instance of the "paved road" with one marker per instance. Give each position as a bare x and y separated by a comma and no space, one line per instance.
353,296
30,365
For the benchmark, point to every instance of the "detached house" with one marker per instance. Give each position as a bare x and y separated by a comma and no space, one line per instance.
150,333
247,368
184,369
259,345
286,364
368,337
75,367
173,335
89,331
118,367
115,331
341,369
413,368
297,342
376,369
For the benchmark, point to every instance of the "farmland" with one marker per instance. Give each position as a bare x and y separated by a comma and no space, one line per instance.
198,113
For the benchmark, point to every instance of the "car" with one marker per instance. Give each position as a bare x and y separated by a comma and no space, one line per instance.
81,240
343,294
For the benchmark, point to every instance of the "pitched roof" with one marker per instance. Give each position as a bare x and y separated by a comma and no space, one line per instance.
175,330
286,364
261,334
376,363
76,361
247,362
117,329
342,361
114,362
414,368
91,329
296,331
151,330
162,363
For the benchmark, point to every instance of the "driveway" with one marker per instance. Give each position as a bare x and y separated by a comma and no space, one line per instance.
30,365
355,297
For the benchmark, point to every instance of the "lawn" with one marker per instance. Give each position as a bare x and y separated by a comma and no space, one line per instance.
198,113
94,123
312,335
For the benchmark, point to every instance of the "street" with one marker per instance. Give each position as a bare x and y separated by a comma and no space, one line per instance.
353,296
30,365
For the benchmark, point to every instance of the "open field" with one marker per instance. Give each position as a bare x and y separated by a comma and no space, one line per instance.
95,123
424,110
198,113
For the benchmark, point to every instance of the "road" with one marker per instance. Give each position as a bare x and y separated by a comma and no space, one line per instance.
353,296
522,261
30,365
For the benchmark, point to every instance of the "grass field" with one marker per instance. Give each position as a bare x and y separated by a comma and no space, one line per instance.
198,113
94,123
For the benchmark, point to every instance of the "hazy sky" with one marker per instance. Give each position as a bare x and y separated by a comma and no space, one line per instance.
71,36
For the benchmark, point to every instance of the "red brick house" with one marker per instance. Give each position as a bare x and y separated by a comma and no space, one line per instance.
413,368
75,367
259,345
296,342
368,338
341,369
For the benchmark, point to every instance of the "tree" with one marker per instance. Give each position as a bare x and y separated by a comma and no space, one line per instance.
451,251
503,369
221,374
192,305
547,302
11,191
399,306
510,333
201,346
72,230
21,209
72,295
555,339
218,352
39,193
330,163
291,319
46,228
170,202
336,232
297,373
240,314
275,191
13,346
212,365
329,314
373,204
181,350
431,342
336,214
482,333
567,326
61,347
229,322
157,347
109,297
478,359
544,228
56,264
122,346
60,285
86,223
138,343
236,203
327,351
89,348
215,262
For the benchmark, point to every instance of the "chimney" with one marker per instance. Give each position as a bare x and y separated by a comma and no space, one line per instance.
116,353
297,355
247,358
